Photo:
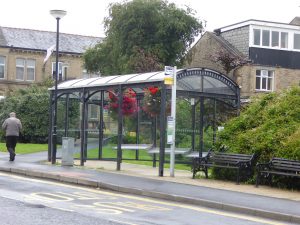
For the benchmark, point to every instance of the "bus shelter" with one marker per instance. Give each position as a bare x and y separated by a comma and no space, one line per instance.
196,85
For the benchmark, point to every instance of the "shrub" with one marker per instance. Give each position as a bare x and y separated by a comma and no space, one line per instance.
268,126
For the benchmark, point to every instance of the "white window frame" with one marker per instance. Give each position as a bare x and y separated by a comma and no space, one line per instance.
28,66
266,39
294,39
25,66
3,66
275,33
20,66
93,111
261,31
62,68
266,77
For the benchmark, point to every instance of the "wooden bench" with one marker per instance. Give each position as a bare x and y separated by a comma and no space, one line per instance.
277,166
224,160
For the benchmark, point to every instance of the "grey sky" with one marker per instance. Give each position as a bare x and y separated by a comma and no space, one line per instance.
86,17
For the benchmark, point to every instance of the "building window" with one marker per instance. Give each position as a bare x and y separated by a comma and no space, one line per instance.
20,69
296,41
284,39
266,38
62,71
93,111
275,39
2,67
30,70
25,69
264,80
256,33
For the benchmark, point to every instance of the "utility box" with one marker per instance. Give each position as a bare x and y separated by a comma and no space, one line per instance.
67,158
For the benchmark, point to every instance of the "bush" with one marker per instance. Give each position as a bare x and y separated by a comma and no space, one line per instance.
32,108
269,126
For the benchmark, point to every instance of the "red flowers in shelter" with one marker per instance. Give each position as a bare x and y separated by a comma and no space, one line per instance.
129,104
152,101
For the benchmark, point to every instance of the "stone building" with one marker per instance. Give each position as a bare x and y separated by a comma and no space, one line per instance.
270,51
22,54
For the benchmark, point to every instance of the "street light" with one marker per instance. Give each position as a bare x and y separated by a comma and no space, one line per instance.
57,14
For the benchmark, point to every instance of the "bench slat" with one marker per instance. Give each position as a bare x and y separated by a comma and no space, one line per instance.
279,166
224,160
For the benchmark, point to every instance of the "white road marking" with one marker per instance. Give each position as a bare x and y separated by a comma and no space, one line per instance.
181,205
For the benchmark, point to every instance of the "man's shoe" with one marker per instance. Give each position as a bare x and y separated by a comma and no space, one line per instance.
12,157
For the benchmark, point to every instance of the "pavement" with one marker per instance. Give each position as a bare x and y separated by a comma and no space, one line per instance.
264,201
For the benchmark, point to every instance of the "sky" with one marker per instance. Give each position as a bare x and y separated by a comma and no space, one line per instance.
86,17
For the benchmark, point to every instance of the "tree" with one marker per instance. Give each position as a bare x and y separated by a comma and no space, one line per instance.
143,31
228,60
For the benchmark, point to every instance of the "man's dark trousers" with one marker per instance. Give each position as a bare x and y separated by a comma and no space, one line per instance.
11,142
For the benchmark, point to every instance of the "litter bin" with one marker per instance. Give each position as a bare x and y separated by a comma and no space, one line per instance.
67,158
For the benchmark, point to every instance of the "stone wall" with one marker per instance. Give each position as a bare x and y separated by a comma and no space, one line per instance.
200,55
74,65
246,78
239,38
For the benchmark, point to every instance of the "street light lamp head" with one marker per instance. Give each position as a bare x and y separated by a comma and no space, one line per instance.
58,14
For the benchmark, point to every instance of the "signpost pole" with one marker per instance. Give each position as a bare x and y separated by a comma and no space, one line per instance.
173,115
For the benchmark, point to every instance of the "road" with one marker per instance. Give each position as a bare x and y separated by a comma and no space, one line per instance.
28,201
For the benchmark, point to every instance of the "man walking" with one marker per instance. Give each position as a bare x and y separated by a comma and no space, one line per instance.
12,127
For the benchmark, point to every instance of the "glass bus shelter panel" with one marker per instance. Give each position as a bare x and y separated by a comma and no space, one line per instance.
96,96
85,82
157,77
142,77
191,83
121,79
74,95
103,81
212,85
68,83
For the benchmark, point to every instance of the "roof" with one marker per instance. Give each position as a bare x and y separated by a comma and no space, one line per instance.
42,40
212,82
292,25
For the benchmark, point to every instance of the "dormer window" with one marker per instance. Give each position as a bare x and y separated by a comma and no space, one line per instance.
297,41
256,34
275,39
270,38
266,38
284,40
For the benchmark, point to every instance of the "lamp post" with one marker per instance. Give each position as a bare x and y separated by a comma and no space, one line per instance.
57,14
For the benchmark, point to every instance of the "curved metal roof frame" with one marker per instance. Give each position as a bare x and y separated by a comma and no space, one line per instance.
193,80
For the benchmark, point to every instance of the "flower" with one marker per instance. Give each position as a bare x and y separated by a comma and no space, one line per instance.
152,101
129,104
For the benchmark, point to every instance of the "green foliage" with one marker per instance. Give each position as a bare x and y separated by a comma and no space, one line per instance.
32,108
268,126
143,35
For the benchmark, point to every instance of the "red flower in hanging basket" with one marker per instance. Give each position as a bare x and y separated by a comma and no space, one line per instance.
129,104
152,101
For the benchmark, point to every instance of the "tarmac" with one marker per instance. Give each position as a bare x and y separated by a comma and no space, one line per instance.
264,201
